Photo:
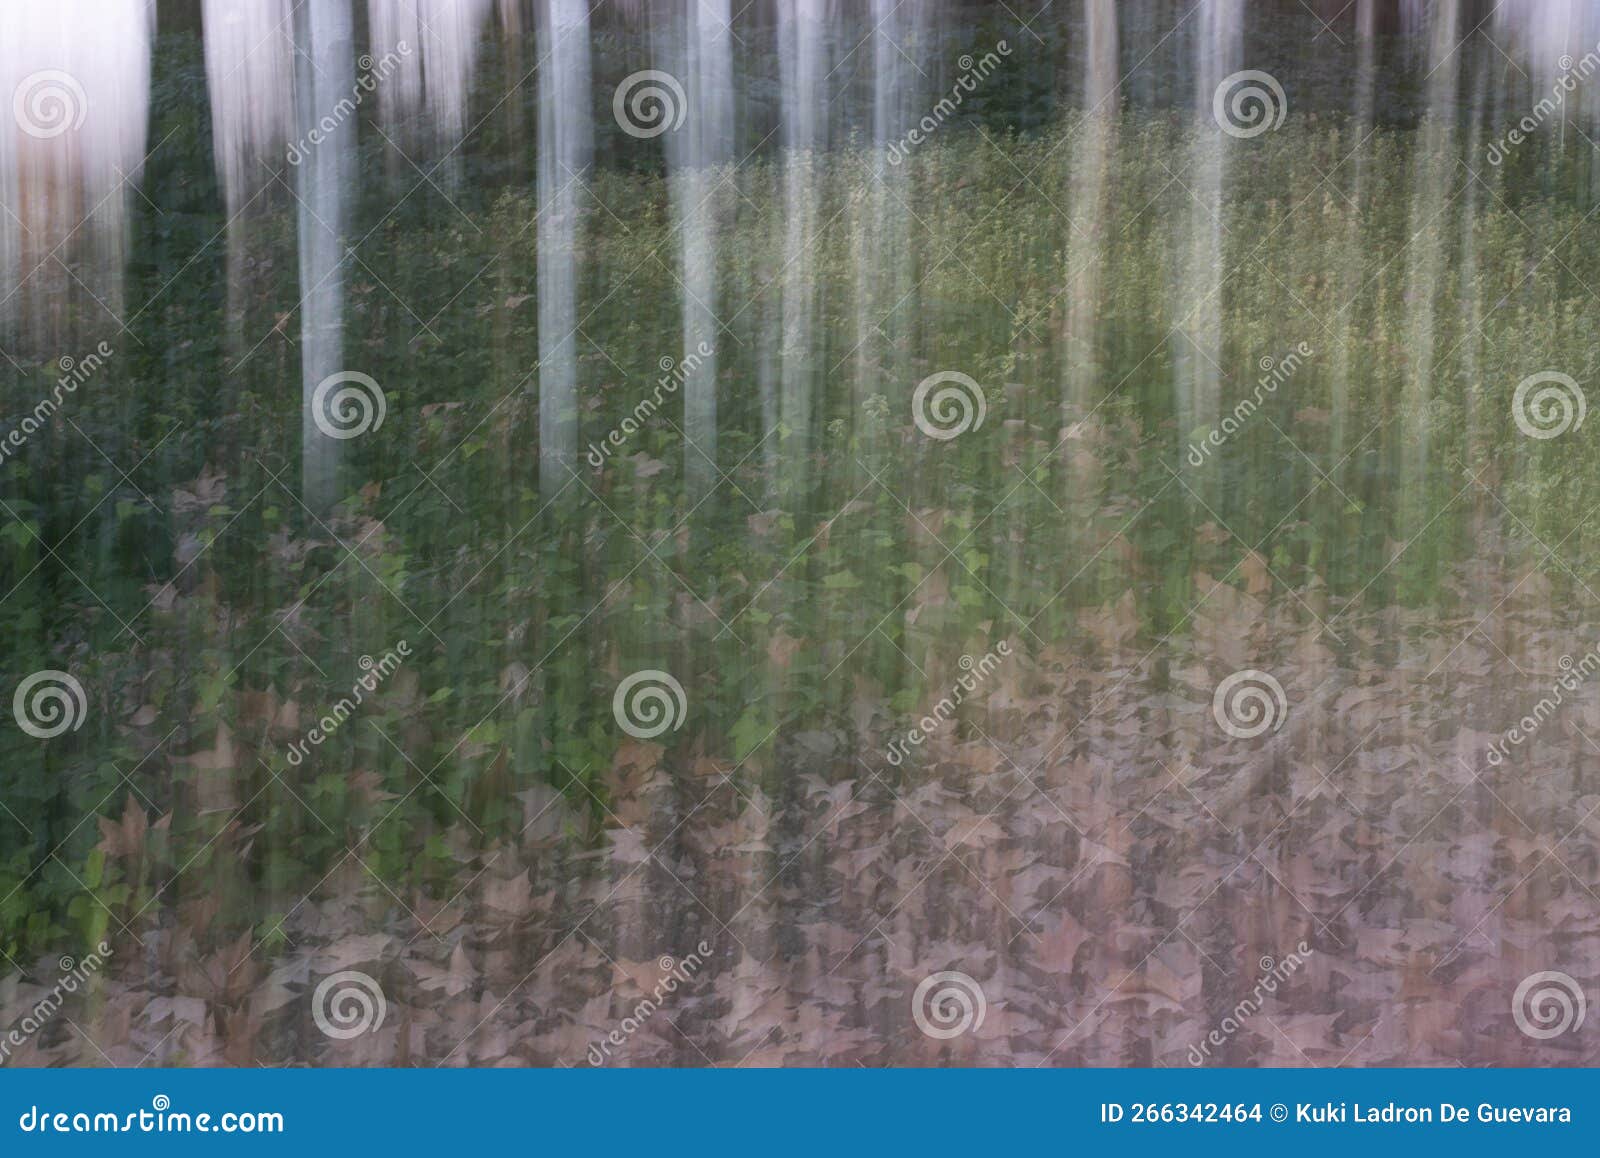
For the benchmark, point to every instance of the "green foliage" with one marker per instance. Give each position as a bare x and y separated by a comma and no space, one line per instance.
814,587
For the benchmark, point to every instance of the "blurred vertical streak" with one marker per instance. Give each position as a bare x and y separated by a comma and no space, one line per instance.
514,68
1357,153
1431,203
697,154
249,50
432,48
1218,52
1544,39
881,218
324,182
803,62
563,155
1090,207
75,77
1218,48
804,51
564,149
